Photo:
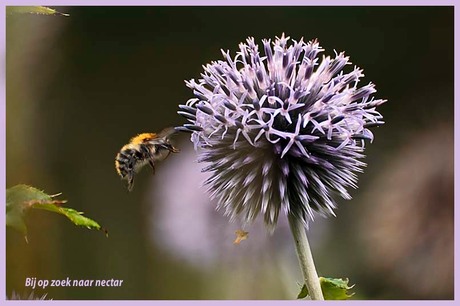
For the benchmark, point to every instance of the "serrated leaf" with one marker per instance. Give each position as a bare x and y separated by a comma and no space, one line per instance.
332,288
42,10
75,216
17,201
21,198
335,288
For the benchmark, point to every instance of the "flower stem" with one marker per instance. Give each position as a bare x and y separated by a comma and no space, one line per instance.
305,258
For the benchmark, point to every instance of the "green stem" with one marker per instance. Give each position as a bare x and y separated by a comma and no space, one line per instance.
305,258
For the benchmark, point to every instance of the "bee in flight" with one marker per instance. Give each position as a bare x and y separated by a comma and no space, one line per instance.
145,148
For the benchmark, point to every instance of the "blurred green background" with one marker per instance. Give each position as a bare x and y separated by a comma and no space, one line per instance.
79,87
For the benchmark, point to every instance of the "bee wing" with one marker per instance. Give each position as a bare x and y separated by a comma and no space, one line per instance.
166,133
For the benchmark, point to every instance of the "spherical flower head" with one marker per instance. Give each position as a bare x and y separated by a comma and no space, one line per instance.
280,130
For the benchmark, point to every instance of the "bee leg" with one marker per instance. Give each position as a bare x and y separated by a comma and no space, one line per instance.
152,165
172,149
130,183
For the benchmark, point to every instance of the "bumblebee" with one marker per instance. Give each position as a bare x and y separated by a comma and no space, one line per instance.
143,149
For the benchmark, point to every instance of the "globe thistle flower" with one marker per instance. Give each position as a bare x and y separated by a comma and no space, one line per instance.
279,129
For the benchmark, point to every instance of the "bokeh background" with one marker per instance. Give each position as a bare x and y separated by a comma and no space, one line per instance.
79,87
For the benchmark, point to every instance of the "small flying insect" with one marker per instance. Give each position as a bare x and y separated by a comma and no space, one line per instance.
143,149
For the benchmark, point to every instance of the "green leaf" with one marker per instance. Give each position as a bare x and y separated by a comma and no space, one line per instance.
43,10
332,288
21,198
303,292
75,216
335,288
18,201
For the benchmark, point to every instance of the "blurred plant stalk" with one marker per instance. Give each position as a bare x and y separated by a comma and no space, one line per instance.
305,257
